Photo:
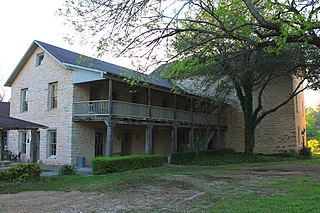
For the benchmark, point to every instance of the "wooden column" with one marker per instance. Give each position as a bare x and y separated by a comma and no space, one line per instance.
174,139
175,106
149,102
108,122
1,145
34,146
110,98
149,139
109,145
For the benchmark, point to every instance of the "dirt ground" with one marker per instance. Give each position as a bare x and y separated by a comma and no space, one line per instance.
183,194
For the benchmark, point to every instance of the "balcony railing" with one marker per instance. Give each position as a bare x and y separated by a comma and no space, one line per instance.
140,111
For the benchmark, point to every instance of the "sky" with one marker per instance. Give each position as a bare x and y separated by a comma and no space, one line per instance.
23,21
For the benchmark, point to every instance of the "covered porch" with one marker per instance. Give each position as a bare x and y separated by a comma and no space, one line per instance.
9,123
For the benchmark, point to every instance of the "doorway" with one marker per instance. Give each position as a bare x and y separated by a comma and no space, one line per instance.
126,143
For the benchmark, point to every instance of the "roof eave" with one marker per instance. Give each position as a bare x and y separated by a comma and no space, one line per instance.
21,63
24,60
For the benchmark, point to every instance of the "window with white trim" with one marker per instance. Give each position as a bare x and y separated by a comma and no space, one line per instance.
23,141
40,60
53,95
52,137
24,100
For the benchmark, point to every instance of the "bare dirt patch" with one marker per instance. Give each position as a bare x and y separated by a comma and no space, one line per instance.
173,192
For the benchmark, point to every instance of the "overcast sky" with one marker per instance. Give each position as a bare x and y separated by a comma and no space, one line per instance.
23,21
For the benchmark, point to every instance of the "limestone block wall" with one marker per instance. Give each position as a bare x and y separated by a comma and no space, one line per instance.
36,79
277,133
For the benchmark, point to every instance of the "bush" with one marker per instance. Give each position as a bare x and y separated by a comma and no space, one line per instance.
104,165
314,145
68,170
305,153
194,156
21,173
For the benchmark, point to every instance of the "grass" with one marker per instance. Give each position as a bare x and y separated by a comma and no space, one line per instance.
239,188
296,194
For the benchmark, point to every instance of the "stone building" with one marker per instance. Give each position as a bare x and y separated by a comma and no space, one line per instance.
92,109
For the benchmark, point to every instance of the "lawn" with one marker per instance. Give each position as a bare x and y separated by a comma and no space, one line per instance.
287,186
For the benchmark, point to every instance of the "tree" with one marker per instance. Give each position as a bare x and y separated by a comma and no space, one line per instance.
313,122
249,72
234,36
2,91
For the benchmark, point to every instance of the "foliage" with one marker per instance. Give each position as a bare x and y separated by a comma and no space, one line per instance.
126,26
192,157
314,145
104,165
68,170
313,122
249,187
223,156
305,153
21,173
249,41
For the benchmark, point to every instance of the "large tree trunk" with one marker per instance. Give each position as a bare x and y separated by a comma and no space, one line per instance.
249,122
249,132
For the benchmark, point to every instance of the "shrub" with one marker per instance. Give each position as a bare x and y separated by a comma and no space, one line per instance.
104,165
21,173
314,145
196,156
68,170
305,153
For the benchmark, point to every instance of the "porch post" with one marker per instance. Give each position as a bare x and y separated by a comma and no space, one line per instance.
149,102
191,138
109,145
175,106
33,146
1,145
110,98
174,139
149,139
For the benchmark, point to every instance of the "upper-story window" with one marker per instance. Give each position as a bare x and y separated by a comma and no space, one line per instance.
165,102
53,95
40,58
24,100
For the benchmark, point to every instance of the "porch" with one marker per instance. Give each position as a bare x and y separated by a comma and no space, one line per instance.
100,110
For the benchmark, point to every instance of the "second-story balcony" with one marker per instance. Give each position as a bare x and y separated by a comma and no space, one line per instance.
120,109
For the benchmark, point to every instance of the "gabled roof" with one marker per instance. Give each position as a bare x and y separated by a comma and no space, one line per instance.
69,59
10,123
5,108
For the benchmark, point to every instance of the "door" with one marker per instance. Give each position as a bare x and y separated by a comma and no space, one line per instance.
99,146
125,142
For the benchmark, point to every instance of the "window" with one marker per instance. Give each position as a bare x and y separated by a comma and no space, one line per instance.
23,141
40,58
165,102
135,98
24,100
114,96
98,150
53,95
52,142
5,138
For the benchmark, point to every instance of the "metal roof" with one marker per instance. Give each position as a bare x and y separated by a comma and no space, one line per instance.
10,123
69,59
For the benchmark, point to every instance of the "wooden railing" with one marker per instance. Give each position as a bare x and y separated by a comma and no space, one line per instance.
141,111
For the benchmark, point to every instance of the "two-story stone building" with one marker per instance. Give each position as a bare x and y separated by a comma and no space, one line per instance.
92,109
